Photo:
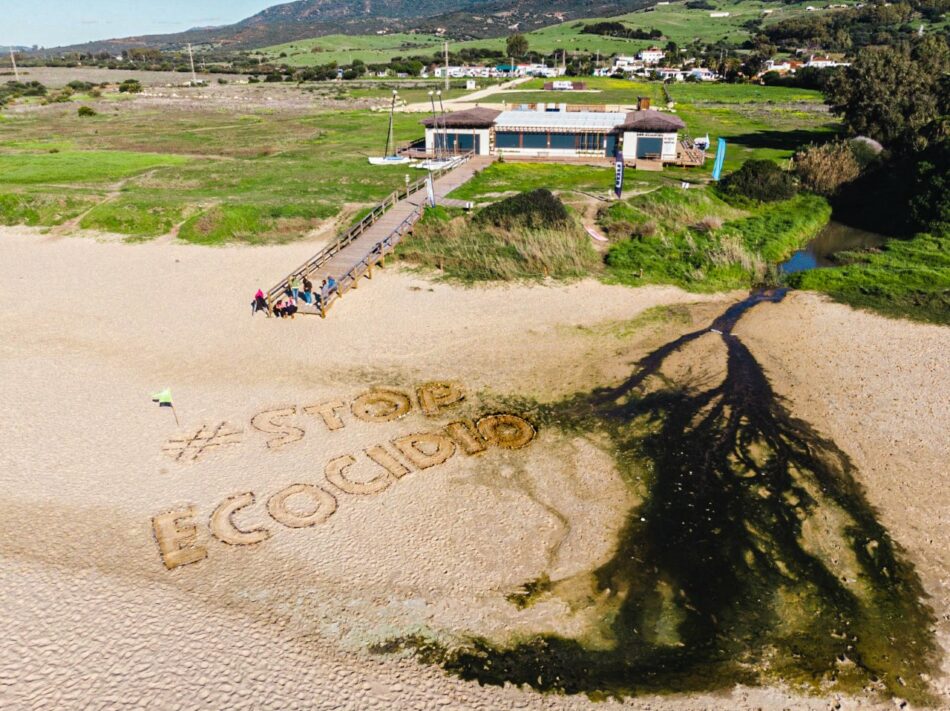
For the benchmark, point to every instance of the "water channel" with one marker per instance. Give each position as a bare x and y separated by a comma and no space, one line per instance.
834,237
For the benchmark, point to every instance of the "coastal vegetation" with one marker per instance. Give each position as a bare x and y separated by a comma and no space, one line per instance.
255,177
696,240
527,237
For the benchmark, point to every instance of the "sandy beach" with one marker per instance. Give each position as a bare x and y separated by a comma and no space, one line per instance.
214,562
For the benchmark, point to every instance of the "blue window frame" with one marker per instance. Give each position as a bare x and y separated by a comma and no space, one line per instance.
507,139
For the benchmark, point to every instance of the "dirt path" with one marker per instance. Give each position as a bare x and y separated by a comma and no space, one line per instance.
463,101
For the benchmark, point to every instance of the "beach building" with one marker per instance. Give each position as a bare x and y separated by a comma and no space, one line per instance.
646,136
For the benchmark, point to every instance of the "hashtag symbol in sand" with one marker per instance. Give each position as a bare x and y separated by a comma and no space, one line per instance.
191,447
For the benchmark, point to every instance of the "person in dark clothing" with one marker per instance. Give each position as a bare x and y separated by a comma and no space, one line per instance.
307,290
260,304
290,308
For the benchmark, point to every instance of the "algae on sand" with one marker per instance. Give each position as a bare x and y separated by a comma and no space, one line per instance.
754,557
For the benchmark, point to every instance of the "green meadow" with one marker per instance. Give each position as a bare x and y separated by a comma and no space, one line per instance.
257,177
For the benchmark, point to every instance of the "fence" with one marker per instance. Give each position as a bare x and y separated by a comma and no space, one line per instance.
353,233
384,247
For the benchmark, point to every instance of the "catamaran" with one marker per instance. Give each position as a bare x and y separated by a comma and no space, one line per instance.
391,157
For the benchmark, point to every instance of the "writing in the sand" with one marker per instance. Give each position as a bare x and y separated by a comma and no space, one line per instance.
286,425
371,471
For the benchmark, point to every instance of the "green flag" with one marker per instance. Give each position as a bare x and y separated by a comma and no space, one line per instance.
164,397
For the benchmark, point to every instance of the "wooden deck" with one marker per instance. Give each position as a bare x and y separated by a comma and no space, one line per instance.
355,252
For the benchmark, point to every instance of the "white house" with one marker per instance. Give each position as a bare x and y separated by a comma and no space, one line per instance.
624,64
669,73
824,63
703,74
653,55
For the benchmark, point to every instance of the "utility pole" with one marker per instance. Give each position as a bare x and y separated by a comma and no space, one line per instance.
16,72
446,50
191,59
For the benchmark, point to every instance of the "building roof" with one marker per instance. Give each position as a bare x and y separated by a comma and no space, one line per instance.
652,121
470,118
559,120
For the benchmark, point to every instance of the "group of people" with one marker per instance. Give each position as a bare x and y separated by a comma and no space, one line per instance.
298,288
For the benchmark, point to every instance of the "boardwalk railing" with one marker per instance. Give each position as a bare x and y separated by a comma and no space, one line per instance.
350,235
380,251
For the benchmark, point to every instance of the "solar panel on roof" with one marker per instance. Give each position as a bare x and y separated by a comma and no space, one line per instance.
578,120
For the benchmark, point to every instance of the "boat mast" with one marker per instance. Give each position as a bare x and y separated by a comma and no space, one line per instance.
435,124
390,138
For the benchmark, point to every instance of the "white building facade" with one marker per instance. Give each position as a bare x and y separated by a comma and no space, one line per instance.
640,135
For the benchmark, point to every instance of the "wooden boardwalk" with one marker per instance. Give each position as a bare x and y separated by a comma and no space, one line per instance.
351,257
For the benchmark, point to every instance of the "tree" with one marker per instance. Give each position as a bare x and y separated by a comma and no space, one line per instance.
517,46
893,95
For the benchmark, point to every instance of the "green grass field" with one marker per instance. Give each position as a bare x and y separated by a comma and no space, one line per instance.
71,167
257,177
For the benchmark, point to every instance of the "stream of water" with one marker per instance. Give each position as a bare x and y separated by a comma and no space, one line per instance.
834,237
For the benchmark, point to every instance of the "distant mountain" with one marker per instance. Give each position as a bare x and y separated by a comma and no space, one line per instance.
458,19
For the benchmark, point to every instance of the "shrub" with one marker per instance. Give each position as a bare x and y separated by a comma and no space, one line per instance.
130,86
468,251
86,111
824,169
644,229
760,180
537,209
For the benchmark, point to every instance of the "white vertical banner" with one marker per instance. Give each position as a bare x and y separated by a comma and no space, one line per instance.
430,188
618,174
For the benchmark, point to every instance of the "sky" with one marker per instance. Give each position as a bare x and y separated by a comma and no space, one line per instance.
51,23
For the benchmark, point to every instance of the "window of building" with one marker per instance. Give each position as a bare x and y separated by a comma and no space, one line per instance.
507,139
535,141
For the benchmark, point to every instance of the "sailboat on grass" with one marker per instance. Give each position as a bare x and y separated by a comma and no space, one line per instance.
391,158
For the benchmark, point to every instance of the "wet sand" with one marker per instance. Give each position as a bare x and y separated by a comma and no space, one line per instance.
94,617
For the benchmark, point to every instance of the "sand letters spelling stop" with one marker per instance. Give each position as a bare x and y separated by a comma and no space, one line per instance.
304,505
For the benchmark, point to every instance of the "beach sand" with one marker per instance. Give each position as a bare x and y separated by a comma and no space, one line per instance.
90,467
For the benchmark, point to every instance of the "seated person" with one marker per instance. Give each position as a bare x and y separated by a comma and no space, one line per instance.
290,308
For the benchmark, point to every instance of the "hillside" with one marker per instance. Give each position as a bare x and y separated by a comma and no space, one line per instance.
457,19
677,22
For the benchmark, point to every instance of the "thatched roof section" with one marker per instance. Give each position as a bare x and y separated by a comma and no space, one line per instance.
650,120
470,118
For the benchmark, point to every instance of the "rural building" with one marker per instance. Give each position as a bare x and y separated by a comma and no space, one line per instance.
643,136
565,86
824,63
653,55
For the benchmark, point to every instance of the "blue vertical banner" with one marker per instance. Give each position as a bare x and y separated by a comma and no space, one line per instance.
720,159
618,175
